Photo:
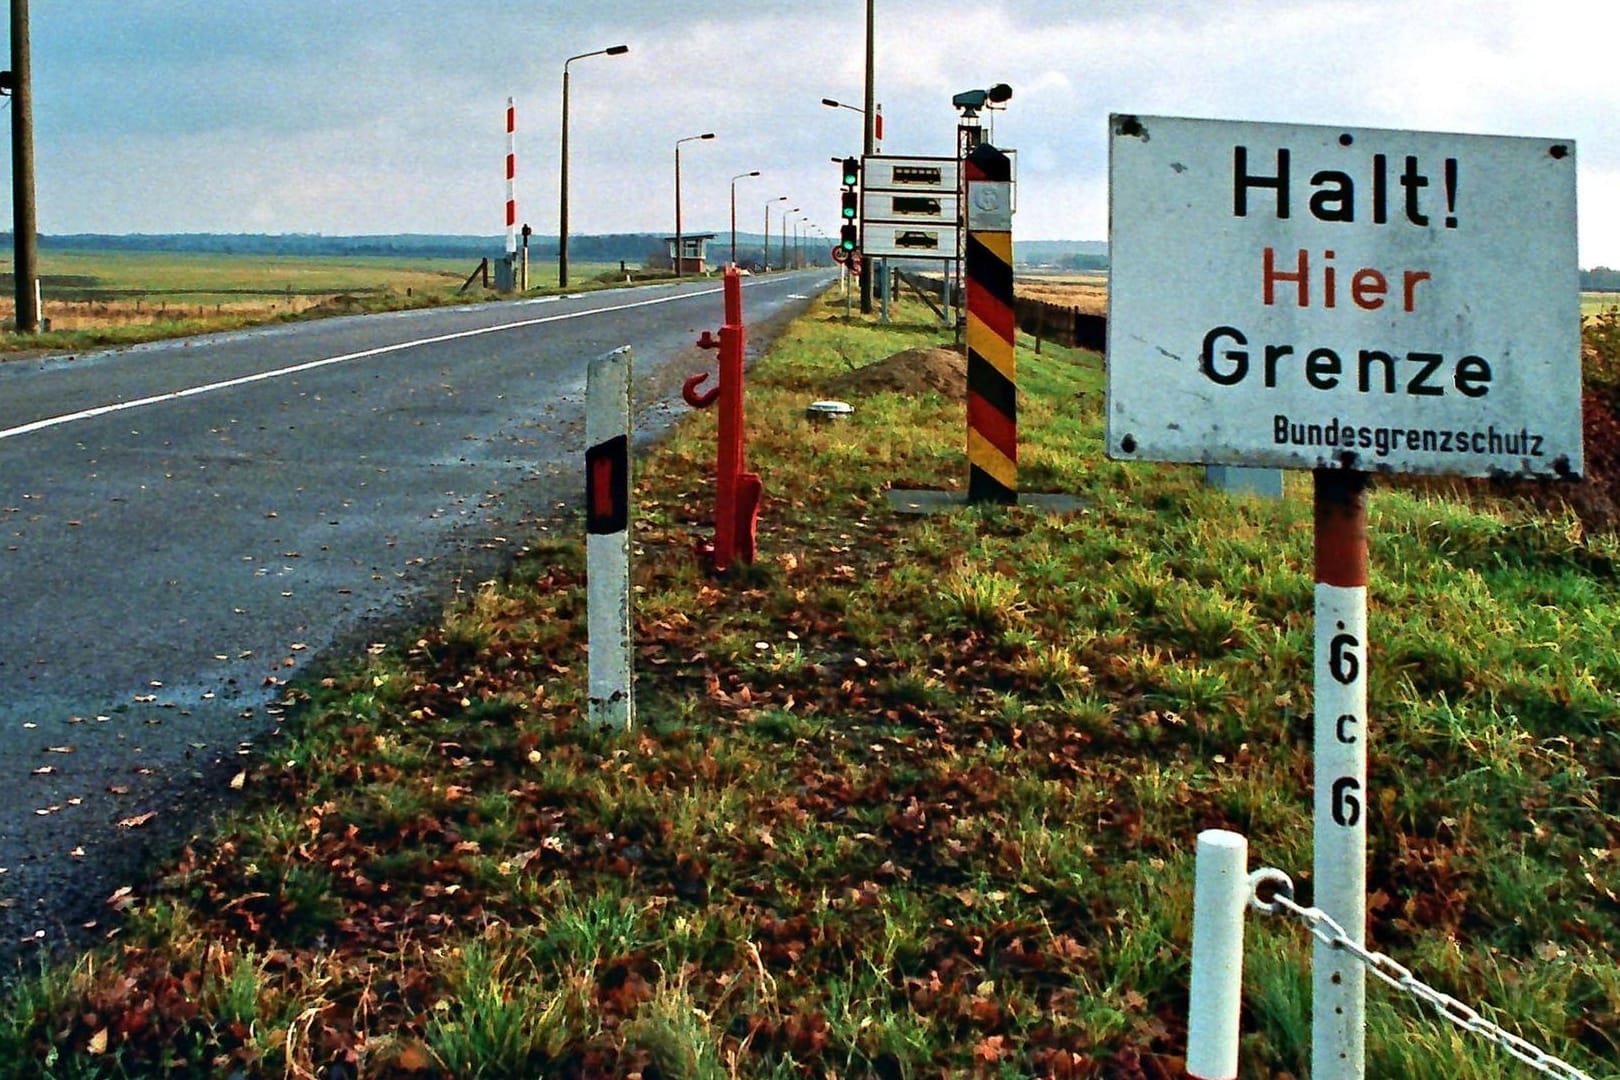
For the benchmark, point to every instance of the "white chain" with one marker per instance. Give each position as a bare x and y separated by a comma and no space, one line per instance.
1323,927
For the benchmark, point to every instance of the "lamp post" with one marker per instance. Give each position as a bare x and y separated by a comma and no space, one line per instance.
18,82
734,180
785,214
767,255
689,138
562,209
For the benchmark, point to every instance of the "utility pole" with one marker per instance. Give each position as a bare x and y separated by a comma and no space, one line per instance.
869,141
24,230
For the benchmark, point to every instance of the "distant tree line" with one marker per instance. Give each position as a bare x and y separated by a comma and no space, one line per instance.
630,247
1600,279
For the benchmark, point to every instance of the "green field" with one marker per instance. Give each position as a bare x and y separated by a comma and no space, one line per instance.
186,278
910,797
107,298
1594,302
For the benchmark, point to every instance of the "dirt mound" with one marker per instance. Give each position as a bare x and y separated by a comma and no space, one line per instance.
913,372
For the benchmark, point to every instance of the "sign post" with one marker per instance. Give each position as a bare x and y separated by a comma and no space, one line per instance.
611,700
1339,772
1364,301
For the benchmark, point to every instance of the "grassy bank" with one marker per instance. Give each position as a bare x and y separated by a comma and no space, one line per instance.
910,797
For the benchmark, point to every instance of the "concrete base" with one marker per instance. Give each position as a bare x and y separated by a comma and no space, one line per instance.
1265,483
903,501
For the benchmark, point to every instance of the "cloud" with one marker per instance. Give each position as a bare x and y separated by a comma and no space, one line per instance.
309,115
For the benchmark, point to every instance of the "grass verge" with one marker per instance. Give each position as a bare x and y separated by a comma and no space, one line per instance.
911,796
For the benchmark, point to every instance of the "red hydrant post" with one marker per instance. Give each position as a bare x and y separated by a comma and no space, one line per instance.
737,493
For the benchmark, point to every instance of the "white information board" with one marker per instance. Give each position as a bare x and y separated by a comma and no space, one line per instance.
908,208
882,172
1299,296
881,240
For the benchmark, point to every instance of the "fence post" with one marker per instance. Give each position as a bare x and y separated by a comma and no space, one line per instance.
1220,894
607,544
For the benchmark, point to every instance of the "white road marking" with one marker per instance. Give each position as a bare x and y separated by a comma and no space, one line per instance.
311,365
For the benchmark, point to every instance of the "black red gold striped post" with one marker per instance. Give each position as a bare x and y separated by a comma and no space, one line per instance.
992,411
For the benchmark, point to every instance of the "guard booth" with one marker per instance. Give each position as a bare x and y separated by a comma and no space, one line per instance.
694,252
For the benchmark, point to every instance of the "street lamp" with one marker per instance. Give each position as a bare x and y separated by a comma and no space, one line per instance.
562,209
734,180
767,255
877,115
689,138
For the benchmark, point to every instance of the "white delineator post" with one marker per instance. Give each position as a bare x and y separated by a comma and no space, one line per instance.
511,178
1338,981
1220,895
607,551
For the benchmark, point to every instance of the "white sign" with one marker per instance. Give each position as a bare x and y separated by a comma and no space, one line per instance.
1301,297
916,241
909,207
881,172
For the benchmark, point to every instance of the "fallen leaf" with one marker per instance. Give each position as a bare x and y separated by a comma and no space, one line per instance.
138,820
97,1043
413,1058
238,780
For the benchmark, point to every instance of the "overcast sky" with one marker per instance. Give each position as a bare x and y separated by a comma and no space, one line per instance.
386,116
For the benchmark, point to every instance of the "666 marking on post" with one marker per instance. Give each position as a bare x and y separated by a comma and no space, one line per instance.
1344,668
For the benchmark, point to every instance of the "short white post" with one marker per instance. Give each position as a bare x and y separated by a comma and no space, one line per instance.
1220,894
607,545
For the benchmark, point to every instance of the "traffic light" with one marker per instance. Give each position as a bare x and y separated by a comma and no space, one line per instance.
849,206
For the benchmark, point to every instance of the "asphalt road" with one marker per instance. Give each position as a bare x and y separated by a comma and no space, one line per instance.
186,526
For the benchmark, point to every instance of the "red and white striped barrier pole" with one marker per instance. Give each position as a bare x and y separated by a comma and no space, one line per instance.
1338,980
511,180
607,545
